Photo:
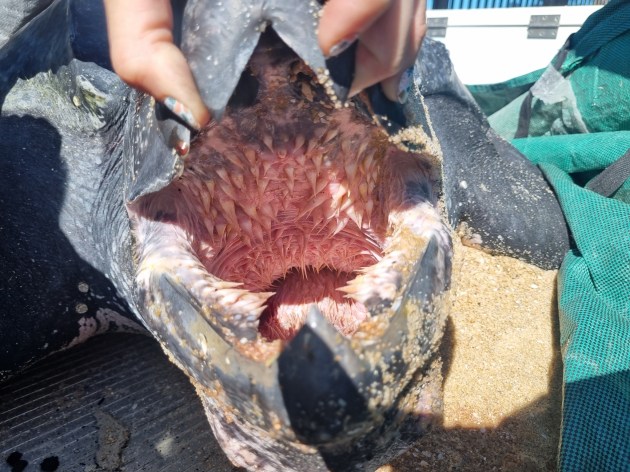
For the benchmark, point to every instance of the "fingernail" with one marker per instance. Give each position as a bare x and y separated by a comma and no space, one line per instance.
404,86
181,111
341,46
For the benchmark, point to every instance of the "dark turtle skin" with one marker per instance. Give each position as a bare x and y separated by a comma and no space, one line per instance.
295,264
496,198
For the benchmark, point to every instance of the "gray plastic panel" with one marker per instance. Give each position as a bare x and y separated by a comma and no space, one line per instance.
113,404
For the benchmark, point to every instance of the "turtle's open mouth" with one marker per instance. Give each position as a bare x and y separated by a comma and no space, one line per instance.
288,203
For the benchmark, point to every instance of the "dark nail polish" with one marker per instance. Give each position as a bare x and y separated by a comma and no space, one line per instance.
181,111
341,46
405,85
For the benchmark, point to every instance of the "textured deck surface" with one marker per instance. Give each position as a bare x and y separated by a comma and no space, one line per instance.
113,404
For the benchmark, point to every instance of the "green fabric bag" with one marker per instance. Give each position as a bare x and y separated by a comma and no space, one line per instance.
594,308
584,89
577,121
493,97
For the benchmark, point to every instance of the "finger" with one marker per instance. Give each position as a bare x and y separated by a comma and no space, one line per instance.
343,20
381,49
144,56
397,87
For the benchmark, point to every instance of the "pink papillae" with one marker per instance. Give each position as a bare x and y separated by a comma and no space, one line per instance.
308,218
292,198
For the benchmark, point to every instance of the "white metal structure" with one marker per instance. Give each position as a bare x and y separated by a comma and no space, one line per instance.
490,45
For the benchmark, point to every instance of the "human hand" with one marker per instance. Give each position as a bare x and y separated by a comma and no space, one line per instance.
389,34
143,55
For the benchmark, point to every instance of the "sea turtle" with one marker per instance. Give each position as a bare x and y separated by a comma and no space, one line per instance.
294,263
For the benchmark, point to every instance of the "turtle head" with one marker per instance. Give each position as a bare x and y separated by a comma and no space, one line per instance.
294,262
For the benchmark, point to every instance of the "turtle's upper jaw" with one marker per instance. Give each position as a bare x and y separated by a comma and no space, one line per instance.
292,217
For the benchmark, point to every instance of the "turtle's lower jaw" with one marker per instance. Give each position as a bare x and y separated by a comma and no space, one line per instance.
295,271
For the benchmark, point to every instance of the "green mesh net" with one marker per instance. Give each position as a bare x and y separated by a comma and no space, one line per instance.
576,123
594,307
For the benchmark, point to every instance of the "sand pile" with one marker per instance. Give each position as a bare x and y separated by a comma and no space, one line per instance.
502,371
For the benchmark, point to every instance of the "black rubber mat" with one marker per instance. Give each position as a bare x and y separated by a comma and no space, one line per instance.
113,404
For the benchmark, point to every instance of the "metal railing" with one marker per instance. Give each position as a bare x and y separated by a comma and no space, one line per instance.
468,4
